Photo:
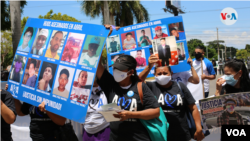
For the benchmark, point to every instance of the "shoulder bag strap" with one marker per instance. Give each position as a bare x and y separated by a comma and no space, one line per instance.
139,88
180,89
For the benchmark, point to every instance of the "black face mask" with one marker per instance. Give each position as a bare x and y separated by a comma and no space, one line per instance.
198,55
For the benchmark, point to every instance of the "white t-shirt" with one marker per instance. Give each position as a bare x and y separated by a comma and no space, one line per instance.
181,77
94,121
26,49
129,43
86,60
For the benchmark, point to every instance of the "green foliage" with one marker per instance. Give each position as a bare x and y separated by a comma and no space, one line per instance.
104,55
51,16
247,47
242,54
5,14
6,48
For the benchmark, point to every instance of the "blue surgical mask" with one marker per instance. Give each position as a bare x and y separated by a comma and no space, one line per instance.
230,79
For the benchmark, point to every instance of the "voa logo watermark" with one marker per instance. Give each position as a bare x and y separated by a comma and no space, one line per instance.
236,132
228,16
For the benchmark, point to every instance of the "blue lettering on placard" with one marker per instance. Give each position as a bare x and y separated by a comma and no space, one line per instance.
100,103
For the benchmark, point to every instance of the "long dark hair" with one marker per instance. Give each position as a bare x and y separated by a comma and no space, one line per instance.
238,65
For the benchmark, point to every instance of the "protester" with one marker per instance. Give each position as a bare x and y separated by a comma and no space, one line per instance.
113,45
215,66
144,40
63,80
17,69
54,45
8,114
174,104
90,58
129,42
236,78
183,77
159,33
47,75
79,91
141,62
95,127
221,66
178,35
32,76
26,38
208,70
123,85
229,116
39,47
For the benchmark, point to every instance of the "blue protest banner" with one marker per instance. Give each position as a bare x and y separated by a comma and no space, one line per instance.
142,40
56,62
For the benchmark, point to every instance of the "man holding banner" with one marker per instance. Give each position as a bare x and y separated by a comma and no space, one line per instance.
207,69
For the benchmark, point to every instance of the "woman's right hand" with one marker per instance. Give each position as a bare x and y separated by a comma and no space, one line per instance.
152,60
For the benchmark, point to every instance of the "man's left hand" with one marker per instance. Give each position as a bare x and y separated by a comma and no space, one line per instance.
198,135
203,76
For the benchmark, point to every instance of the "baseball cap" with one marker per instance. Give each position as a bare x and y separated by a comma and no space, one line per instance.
157,28
95,40
124,62
71,39
43,32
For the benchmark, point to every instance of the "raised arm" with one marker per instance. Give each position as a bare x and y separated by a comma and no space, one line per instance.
151,61
100,69
18,105
55,118
194,78
6,113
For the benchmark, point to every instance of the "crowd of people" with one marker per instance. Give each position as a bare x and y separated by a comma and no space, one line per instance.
121,88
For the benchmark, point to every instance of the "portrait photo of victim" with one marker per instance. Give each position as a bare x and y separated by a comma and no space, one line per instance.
113,44
177,30
128,40
160,31
139,56
73,47
166,50
46,76
56,43
91,51
42,38
63,81
31,72
25,43
17,69
81,87
144,37
181,51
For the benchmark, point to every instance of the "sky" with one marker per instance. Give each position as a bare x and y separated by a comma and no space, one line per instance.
200,20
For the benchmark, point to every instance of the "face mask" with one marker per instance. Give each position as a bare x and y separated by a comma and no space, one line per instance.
119,75
96,89
230,108
230,80
162,79
198,55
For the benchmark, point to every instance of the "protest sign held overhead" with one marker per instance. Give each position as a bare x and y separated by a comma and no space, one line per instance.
56,62
144,39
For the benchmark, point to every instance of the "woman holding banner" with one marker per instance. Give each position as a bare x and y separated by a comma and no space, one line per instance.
121,88
236,78
174,99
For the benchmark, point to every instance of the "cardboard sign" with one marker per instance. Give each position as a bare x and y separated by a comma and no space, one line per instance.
56,62
138,40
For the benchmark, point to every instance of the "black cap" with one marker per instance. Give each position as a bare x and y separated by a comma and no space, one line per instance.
124,62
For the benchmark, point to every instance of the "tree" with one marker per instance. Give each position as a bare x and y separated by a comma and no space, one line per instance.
15,15
6,48
242,54
121,13
247,47
5,14
51,16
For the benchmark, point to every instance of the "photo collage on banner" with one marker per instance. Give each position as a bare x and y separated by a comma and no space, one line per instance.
164,38
230,109
56,62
